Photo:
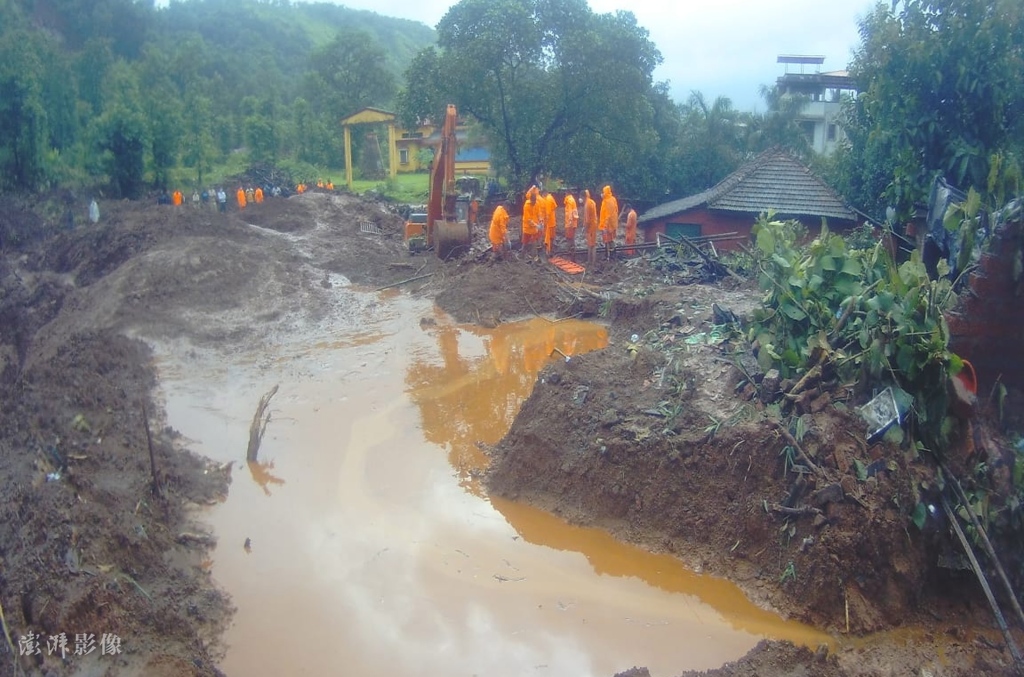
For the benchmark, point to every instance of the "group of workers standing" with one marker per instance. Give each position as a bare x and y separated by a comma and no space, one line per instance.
217,198
539,223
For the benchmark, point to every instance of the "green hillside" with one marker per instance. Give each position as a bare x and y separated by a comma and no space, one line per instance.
128,97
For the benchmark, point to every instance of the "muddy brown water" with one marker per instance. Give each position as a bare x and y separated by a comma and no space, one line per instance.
372,547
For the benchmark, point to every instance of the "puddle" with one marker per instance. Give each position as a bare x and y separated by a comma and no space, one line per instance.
372,549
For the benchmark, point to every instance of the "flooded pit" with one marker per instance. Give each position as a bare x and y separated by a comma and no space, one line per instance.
373,548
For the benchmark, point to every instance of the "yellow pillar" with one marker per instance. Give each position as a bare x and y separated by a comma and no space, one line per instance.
348,158
392,150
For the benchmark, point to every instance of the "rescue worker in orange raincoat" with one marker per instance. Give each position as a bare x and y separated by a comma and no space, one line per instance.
258,195
572,219
240,197
609,219
630,231
590,224
177,198
531,222
498,233
550,221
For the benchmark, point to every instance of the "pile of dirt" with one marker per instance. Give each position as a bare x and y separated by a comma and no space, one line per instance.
655,440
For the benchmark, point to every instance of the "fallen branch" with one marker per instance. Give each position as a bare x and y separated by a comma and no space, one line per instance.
812,375
259,425
798,512
985,543
796,447
401,282
155,486
714,264
1010,643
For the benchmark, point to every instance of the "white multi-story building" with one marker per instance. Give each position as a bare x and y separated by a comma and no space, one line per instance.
819,117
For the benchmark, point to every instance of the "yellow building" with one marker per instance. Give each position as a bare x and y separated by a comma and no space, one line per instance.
405,146
469,160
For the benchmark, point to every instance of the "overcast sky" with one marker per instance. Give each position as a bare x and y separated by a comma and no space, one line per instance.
718,47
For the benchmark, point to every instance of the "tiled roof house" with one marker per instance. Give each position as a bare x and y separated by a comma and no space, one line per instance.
774,180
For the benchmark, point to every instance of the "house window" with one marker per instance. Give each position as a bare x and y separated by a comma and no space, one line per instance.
403,156
807,127
682,229
831,132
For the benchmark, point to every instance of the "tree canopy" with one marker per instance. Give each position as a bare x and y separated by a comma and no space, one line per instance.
124,96
941,94
556,88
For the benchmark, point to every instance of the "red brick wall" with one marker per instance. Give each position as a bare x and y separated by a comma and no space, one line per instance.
717,223
987,327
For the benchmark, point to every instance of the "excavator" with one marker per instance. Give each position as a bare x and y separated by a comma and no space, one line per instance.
447,218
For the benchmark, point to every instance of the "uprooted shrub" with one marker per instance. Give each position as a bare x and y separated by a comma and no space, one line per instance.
857,314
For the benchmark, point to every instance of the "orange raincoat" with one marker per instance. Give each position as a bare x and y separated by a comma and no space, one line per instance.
609,215
630,229
550,207
499,228
240,197
531,216
572,219
590,221
258,195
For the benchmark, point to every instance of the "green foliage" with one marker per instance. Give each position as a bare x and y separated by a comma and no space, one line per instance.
556,88
122,133
869,319
347,74
191,66
22,113
788,574
940,93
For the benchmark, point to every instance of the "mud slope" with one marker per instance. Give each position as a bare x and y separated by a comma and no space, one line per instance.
654,445
87,544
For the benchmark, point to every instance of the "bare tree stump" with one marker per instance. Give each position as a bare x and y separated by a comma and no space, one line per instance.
259,424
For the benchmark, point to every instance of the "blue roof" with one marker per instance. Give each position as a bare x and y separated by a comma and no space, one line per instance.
473,155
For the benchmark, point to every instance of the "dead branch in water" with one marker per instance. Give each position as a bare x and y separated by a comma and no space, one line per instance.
152,457
259,424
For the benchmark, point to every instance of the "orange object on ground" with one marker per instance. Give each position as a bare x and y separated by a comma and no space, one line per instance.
566,265
968,377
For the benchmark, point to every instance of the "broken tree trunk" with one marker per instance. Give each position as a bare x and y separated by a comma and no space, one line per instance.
259,425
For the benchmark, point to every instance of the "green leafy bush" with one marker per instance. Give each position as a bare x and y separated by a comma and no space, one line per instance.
856,312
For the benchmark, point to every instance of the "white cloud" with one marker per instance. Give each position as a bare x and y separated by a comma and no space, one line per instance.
728,47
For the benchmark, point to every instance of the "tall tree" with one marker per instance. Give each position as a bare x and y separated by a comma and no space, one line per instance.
22,115
777,126
121,132
347,74
711,145
555,87
941,93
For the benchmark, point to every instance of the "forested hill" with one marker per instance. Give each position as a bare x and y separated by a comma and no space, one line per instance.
123,92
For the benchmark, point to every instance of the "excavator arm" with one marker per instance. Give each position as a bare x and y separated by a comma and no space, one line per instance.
447,216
